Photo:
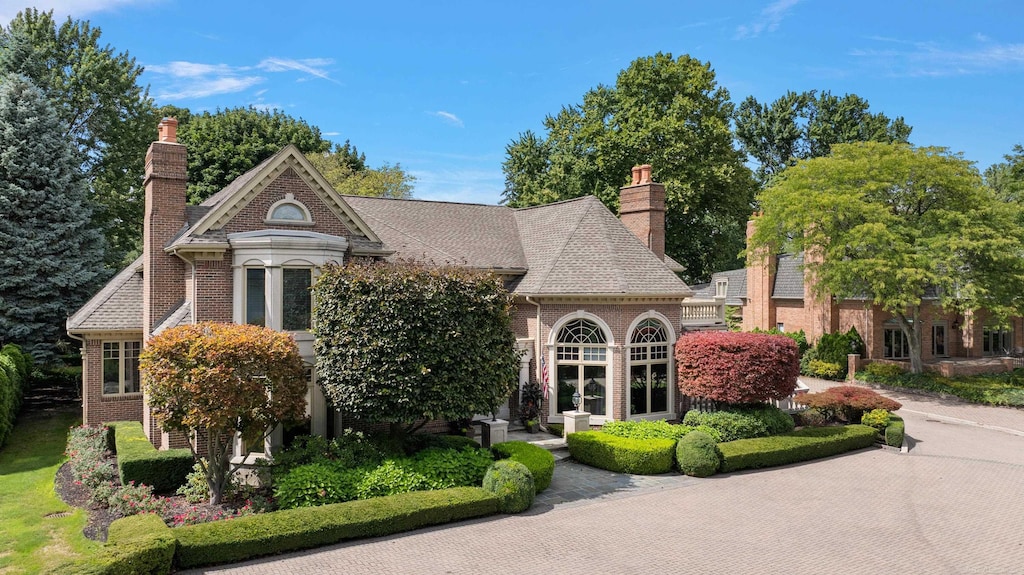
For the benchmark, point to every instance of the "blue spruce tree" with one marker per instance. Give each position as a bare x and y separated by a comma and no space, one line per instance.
50,258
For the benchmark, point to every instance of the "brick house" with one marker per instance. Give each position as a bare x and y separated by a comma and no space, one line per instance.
597,303
781,296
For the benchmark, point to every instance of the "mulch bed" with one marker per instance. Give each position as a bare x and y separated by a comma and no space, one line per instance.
100,518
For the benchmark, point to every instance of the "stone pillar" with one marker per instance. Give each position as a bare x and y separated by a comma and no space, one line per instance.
493,431
852,366
575,421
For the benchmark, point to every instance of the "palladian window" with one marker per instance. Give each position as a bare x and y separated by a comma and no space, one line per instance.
582,364
648,369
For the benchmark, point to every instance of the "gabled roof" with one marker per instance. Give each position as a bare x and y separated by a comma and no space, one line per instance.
566,248
118,306
206,221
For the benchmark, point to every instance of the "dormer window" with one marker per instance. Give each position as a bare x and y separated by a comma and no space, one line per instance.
289,211
721,288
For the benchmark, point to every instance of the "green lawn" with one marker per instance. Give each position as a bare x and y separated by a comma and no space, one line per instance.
30,542
991,389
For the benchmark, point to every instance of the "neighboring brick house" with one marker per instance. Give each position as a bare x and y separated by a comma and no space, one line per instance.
781,296
597,303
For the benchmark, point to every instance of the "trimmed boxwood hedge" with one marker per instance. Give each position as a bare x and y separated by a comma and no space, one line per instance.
138,461
281,531
538,460
801,445
621,454
895,431
140,544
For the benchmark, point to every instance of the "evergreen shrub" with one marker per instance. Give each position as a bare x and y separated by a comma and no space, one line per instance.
697,455
538,460
622,454
801,445
137,460
512,483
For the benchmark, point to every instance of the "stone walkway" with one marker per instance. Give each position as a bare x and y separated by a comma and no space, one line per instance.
953,505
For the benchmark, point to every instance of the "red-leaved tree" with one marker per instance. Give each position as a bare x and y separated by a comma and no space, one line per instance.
736,367
225,380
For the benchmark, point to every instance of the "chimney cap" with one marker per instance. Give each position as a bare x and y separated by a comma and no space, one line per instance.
168,130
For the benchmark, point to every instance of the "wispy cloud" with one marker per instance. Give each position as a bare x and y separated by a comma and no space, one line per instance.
180,80
767,21
459,185
63,8
909,58
448,117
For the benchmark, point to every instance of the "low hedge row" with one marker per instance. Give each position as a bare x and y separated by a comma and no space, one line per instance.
538,460
282,531
138,461
140,544
622,454
801,445
895,431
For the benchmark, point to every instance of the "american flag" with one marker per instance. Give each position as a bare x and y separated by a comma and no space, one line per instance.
544,376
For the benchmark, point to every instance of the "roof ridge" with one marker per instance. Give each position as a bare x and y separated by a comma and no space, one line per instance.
570,200
426,201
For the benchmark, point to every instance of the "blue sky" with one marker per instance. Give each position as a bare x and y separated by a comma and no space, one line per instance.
442,87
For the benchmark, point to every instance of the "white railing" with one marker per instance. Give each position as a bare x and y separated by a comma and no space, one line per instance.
788,404
696,312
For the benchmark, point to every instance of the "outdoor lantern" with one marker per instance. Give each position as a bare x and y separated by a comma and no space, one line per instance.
576,397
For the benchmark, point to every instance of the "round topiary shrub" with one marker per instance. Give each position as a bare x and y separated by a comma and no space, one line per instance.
512,482
697,455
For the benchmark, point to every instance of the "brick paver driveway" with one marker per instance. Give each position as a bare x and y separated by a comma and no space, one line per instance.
954,504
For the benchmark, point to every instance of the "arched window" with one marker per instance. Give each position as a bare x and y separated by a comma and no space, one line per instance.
289,211
582,365
648,368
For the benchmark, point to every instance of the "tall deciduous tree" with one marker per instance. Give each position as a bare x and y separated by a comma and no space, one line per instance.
345,169
50,256
890,221
227,143
405,344
806,125
668,112
224,380
1007,178
103,110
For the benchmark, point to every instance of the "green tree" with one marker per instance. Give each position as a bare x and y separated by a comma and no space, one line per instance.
806,125
225,380
345,169
890,221
50,256
1007,178
668,112
405,344
103,110
227,143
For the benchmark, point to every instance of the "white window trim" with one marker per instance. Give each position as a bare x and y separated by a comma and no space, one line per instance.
671,335
609,363
121,357
289,199
722,287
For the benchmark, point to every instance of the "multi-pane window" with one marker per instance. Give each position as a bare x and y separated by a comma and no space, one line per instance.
582,356
297,301
996,340
121,367
895,342
648,368
721,288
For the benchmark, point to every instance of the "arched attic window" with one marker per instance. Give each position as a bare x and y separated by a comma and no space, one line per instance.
289,211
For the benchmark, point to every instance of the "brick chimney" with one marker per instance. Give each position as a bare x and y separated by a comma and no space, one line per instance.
642,209
163,275
761,310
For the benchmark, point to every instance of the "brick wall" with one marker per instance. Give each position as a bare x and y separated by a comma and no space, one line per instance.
97,408
253,215
214,293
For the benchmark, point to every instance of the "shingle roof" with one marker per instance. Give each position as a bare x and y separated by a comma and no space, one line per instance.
789,277
736,288
474,235
118,306
182,315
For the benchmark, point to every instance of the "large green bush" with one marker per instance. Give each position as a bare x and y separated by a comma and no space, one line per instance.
538,460
13,380
137,460
140,544
697,455
512,483
742,422
800,445
622,454
659,429
281,531
831,351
